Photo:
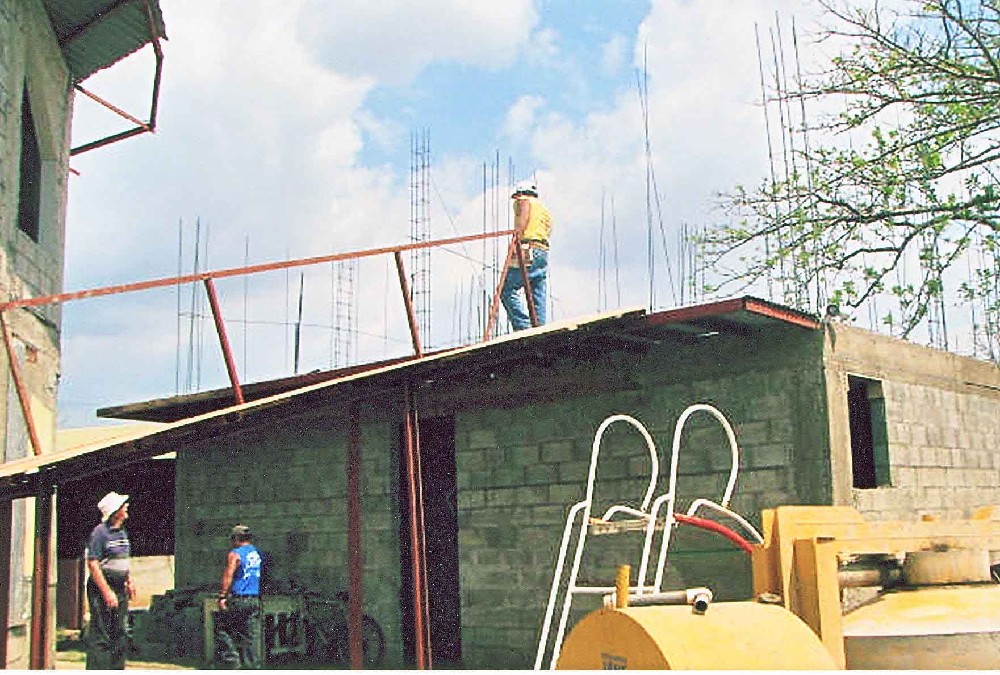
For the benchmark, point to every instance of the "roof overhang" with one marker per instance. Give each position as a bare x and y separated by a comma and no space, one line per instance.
96,34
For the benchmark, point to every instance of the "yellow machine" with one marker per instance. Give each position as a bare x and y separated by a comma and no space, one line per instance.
933,603
728,636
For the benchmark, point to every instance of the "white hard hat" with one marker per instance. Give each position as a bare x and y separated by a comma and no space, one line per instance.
525,187
110,503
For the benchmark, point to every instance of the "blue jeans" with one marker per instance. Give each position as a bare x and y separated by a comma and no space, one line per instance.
510,296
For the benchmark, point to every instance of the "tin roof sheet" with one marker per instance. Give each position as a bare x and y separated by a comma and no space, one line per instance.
95,34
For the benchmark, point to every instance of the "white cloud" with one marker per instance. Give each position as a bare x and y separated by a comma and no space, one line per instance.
521,117
393,40
613,53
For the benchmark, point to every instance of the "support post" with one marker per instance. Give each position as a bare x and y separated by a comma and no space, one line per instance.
411,317
515,242
22,392
355,556
227,353
6,530
40,605
421,644
817,592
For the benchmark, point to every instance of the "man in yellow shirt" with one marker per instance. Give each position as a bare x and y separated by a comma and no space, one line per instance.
534,224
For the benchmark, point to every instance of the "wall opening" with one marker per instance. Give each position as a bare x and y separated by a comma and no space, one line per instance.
30,190
869,436
440,492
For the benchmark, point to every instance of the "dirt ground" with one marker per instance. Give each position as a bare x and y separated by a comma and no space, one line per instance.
70,656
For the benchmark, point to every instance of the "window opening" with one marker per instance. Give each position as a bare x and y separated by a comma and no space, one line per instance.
869,436
30,191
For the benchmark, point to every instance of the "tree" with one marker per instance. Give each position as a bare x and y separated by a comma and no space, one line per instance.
919,85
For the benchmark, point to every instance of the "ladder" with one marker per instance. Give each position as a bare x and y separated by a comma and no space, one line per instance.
621,517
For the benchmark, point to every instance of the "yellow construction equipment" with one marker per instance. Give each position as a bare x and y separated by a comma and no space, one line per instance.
935,602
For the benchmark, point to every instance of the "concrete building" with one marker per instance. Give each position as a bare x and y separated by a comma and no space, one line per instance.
46,48
825,413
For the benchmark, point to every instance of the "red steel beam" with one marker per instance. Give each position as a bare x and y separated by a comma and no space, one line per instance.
355,556
6,516
421,646
411,317
40,605
227,353
236,271
495,305
22,393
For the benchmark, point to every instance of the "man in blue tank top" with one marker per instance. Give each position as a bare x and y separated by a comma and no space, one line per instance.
237,624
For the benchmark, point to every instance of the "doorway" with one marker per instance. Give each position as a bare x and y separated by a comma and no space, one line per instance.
440,495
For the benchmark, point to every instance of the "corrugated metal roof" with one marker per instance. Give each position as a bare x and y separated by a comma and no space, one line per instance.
734,316
21,477
95,34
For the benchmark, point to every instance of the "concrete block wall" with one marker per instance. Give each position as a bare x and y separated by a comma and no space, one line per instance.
521,468
29,53
288,481
942,420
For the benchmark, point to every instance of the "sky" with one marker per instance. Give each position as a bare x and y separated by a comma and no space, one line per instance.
285,131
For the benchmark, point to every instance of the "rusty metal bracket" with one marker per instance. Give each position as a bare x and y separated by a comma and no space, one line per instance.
140,126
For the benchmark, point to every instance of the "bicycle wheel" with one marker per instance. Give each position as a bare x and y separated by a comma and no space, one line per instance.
372,643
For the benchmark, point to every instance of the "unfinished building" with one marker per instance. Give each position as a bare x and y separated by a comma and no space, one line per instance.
46,48
825,413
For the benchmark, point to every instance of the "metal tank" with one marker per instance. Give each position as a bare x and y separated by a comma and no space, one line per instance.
727,636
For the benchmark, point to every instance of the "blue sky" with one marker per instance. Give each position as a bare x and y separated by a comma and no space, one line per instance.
284,129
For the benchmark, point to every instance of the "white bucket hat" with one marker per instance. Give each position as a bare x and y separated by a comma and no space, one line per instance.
110,503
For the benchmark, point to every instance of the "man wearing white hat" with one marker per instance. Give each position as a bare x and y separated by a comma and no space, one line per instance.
109,587
534,226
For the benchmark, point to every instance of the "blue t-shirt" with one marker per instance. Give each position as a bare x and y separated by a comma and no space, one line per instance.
111,548
246,578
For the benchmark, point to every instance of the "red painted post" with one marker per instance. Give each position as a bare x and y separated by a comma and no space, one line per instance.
227,353
22,392
495,305
355,555
6,516
420,645
40,605
411,317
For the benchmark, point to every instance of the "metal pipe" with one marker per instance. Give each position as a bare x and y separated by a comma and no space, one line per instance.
227,353
236,271
355,558
39,652
495,304
411,317
621,586
861,578
22,393
699,599
416,560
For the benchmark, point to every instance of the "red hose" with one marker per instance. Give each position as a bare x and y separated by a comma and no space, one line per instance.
706,524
